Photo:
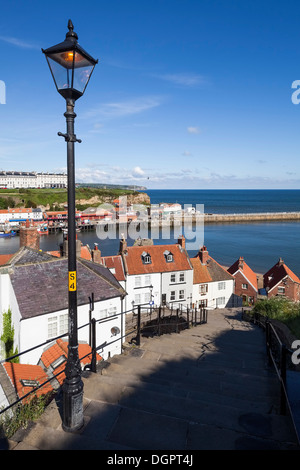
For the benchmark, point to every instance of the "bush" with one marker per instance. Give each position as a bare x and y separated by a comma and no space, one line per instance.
281,309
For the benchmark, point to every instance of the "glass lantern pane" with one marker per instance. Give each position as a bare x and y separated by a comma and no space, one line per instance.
81,77
62,76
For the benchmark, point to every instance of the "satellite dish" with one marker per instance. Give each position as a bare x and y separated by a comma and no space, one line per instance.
115,330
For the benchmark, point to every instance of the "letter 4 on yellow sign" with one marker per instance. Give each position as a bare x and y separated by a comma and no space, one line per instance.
72,280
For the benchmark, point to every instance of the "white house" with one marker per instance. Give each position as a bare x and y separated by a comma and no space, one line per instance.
34,286
158,274
213,286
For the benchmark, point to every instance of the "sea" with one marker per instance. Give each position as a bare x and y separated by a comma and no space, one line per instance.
260,243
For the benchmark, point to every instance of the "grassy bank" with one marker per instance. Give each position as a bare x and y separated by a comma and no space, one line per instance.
283,310
56,197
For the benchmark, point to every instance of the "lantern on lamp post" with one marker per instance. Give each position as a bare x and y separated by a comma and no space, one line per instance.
71,68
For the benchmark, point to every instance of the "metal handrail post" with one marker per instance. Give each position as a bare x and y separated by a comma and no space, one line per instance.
93,345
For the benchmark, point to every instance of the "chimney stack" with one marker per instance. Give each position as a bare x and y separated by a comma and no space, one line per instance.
181,241
123,245
96,254
29,236
241,263
203,255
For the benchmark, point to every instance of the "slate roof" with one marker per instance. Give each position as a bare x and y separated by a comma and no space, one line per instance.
210,272
41,287
27,255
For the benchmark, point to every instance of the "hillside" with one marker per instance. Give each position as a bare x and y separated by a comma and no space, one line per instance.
57,198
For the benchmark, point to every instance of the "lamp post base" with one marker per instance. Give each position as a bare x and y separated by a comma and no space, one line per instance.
72,405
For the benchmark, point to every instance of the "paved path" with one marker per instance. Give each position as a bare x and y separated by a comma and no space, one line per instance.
208,387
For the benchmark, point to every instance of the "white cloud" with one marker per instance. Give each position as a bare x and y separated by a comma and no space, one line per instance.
137,171
193,130
19,42
124,108
183,79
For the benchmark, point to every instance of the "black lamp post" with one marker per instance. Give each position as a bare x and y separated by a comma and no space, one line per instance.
71,68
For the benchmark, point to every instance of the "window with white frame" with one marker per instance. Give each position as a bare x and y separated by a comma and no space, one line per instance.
147,297
221,285
181,294
181,277
137,299
103,314
281,290
172,295
112,311
57,325
173,278
138,281
203,288
147,280
220,301
244,286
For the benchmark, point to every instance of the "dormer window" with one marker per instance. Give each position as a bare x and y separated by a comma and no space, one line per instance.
146,258
168,256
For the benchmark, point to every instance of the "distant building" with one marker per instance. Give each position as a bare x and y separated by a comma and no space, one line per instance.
23,179
33,285
161,274
245,281
281,281
213,286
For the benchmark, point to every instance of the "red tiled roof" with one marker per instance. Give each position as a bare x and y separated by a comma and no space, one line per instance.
59,349
4,259
246,271
201,274
277,273
19,372
134,264
115,262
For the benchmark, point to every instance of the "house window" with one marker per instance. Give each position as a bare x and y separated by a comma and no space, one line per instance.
138,281
168,256
112,311
146,258
203,288
173,277
181,277
57,325
172,295
281,290
102,314
221,285
147,280
244,286
220,301
147,297
181,294
137,299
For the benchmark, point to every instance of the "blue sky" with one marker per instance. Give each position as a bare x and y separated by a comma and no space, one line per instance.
186,94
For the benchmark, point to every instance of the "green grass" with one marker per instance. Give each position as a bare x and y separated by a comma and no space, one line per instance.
281,309
53,197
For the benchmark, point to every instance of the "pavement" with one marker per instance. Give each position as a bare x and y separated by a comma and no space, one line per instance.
206,388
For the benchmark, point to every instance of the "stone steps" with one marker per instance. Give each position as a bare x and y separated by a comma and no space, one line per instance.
208,387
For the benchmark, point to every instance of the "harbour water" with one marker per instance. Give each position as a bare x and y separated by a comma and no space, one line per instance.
261,244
